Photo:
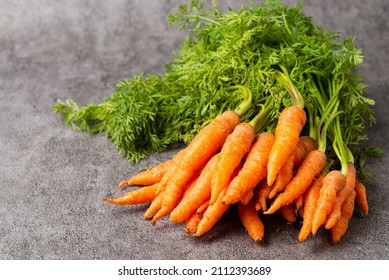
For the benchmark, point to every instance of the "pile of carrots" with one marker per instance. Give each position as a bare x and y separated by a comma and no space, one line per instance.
264,166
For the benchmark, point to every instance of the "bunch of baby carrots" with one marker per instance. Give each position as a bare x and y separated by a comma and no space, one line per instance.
265,165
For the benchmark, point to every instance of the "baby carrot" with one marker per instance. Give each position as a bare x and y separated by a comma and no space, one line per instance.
288,212
310,200
308,170
236,146
138,196
283,177
341,196
333,182
304,146
149,176
290,123
262,196
251,221
194,219
340,228
253,169
203,147
200,192
213,213
361,197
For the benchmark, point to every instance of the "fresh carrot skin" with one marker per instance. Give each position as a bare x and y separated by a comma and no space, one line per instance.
251,221
303,147
192,223
310,201
299,202
202,148
262,196
340,228
288,212
333,182
341,196
236,146
283,177
289,126
361,197
138,196
247,197
308,170
213,213
149,176
197,195
154,206
194,219
253,170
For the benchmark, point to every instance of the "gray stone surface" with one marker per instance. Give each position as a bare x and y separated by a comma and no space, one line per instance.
52,178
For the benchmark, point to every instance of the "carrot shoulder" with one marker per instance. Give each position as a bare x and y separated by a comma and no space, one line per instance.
236,146
289,126
308,170
251,221
253,169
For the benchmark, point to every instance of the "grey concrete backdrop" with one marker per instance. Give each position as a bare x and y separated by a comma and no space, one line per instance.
52,178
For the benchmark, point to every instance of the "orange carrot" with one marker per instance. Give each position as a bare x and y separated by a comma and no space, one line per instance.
247,197
202,148
287,133
262,195
340,228
251,221
253,169
299,202
149,176
138,196
194,219
361,197
213,213
283,177
341,196
154,206
333,182
303,147
200,192
287,211
310,201
236,146
308,170
192,223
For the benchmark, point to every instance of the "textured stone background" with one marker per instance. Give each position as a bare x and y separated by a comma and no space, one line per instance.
52,178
